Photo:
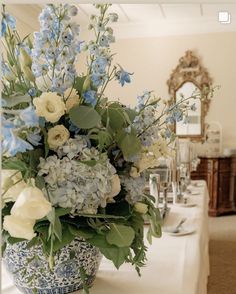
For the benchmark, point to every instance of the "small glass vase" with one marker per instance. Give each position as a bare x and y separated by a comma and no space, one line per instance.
31,274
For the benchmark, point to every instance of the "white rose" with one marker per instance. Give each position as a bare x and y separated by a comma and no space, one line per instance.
31,204
19,227
141,207
50,106
12,184
57,136
115,187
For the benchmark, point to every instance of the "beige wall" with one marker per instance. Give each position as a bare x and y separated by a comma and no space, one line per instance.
153,59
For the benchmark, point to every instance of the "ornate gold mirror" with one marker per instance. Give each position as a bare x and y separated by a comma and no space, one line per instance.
187,79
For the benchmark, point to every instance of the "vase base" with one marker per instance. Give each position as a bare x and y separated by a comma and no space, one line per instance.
57,290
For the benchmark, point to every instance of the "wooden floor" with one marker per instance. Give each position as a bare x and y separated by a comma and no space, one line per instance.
222,278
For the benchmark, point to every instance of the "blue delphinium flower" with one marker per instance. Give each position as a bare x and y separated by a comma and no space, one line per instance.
11,143
32,92
34,138
104,41
98,79
123,77
29,116
90,97
99,65
9,20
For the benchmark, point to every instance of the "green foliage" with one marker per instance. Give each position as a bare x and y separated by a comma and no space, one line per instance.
115,116
16,99
84,117
120,235
79,82
129,143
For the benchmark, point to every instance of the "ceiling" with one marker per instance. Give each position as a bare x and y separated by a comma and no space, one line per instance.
143,20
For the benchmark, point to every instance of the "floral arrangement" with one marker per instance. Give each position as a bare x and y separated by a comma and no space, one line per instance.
73,161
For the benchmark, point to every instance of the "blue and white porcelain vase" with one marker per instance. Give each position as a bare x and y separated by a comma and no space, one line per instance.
30,273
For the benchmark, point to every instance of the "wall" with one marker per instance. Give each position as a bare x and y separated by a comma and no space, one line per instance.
153,59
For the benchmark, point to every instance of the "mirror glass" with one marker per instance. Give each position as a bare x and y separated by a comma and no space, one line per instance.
193,126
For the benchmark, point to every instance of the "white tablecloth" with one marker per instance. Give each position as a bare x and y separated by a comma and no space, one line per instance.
176,265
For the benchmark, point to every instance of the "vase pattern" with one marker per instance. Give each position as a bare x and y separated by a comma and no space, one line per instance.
29,273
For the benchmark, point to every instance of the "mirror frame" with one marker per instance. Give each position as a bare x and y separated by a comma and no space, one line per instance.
190,69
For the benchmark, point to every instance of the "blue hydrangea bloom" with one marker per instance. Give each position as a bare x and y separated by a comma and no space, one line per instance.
90,97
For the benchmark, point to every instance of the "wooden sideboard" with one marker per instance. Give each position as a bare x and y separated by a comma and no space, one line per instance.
220,175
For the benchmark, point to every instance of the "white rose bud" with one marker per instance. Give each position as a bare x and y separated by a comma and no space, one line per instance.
25,59
141,207
50,106
115,188
134,172
28,73
31,204
57,136
19,227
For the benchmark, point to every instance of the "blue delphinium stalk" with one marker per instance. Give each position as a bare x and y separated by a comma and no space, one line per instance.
56,47
9,20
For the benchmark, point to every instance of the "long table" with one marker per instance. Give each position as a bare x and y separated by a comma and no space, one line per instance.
176,264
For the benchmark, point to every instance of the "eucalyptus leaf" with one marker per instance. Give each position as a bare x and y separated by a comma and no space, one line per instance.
84,117
120,235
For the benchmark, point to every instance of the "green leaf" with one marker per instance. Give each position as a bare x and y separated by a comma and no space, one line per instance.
83,233
115,116
131,113
32,242
59,211
84,117
86,84
116,254
40,182
66,239
16,164
14,100
57,228
104,139
79,81
89,162
120,235
129,144
12,240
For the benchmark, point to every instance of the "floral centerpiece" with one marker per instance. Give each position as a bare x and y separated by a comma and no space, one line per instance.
73,161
